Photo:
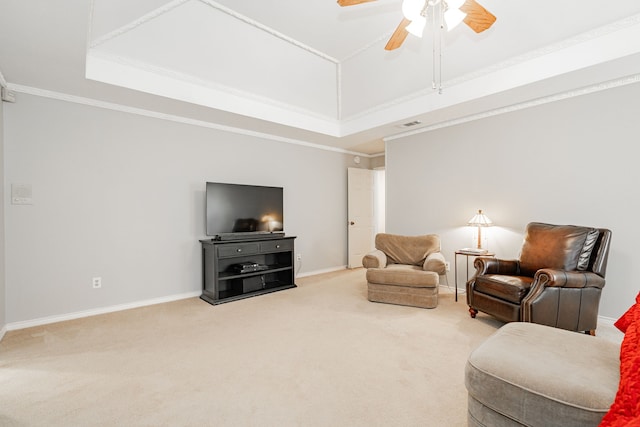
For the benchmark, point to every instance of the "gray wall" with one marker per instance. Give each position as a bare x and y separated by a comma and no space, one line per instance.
568,162
3,304
377,162
121,196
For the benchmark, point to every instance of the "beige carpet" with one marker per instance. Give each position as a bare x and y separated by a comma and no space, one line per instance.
316,355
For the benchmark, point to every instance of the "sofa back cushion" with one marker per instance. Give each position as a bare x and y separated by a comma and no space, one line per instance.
564,247
407,249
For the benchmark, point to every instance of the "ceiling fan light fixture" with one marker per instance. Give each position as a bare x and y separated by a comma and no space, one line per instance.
416,27
453,17
441,13
412,9
455,4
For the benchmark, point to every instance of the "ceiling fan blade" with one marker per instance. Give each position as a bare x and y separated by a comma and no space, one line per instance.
344,3
398,36
478,18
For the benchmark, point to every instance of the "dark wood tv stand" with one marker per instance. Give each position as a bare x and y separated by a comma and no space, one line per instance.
223,283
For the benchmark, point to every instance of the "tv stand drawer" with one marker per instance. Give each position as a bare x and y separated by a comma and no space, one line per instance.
276,246
238,249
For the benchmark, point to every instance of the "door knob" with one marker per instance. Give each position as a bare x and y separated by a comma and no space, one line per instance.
352,223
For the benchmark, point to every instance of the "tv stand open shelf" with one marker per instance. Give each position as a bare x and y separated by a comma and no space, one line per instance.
221,283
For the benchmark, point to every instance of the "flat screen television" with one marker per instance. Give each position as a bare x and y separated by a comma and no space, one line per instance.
243,210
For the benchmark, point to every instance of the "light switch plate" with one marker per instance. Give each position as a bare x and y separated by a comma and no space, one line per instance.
21,194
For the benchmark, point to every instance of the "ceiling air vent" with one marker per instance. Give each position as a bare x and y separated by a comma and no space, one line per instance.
409,124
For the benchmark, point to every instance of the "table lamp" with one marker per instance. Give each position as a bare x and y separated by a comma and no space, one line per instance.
480,220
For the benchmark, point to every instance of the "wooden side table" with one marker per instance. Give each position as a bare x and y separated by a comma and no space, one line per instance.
467,253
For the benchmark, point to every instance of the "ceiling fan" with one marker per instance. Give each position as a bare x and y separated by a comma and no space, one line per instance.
451,12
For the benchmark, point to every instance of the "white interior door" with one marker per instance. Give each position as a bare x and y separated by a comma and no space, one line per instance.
361,210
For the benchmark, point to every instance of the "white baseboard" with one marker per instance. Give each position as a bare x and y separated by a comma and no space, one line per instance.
103,310
13,326
326,270
609,321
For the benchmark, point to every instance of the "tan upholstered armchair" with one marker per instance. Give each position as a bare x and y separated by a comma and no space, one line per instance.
557,281
405,270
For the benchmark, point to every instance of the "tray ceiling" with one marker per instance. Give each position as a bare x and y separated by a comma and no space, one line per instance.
314,71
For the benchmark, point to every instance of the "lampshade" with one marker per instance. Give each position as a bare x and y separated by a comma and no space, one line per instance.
416,27
480,220
412,9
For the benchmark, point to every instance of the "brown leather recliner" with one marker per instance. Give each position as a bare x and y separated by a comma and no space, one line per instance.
556,282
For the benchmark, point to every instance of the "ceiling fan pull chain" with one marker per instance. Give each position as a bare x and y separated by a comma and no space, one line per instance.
439,33
434,28
440,59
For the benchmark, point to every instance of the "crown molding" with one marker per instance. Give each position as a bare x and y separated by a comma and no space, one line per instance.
594,34
44,93
523,105
334,123
373,43
175,3
95,44
268,30
574,41
192,80
136,23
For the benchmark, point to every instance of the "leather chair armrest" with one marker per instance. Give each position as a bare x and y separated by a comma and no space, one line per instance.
435,262
489,265
548,277
552,291
375,259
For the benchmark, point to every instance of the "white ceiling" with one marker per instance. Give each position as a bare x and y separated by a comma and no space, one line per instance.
310,70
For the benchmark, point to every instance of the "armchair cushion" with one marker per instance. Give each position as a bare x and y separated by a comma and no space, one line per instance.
563,247
510,288
412,250
402,275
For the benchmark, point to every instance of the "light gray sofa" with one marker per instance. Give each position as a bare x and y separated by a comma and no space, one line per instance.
534,375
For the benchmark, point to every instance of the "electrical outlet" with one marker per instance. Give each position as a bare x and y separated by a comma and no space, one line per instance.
97,282
447,265
299,257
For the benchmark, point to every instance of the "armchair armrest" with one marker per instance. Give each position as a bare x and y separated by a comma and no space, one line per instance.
489,265
553,291
375,259
548,277
435,262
